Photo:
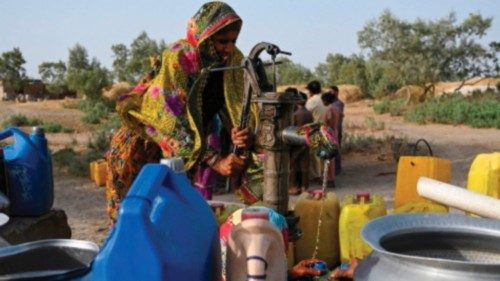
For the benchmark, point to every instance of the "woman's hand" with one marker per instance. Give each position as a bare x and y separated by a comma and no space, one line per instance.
303,268
241,138
229,165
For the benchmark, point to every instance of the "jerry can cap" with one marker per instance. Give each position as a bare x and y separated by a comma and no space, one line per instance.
176,164
217,206
317,194
363,195
321,266
254,213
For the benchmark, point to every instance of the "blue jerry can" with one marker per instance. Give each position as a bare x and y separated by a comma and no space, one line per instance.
165,231
28,164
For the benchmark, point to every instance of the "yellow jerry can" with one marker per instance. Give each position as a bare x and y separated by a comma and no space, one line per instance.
98,171
356,211
420,207
484,175
410,169
308,208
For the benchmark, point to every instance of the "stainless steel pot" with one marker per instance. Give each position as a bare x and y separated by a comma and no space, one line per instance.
431,247
55,259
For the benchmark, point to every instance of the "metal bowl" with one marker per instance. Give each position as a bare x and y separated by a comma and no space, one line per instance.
431,247
55,259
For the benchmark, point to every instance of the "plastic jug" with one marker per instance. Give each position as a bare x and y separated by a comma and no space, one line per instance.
307,208
355,213
98,171
484,174
165,231
29,167
410,169
255,249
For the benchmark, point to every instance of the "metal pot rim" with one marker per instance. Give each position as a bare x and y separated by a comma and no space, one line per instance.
379,229
70,243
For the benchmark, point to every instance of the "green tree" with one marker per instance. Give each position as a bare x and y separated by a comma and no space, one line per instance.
329,72
425,52
141,49
53,74
289,72
12,72
121,55
86,78
353,71
381,79
130,64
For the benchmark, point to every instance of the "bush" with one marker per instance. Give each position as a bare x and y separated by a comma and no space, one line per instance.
19,120
52,127
394,107
481,110
75,164
362,143
94,111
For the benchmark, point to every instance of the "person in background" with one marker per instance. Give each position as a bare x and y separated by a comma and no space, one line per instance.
316,107
179,111
299,156
331,118
334,90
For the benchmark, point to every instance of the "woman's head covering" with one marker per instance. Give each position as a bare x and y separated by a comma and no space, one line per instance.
210,18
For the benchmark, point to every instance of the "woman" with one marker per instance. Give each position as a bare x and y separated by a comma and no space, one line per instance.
179,112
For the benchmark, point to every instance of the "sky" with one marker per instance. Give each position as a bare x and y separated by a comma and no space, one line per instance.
310,29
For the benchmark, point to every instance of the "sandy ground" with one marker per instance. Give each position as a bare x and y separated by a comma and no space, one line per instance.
372,171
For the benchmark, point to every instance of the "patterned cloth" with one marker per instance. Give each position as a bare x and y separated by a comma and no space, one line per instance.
167,109
128,153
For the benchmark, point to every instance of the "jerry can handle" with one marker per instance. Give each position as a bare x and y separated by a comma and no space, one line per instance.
426,143
149,181
7,133
15,132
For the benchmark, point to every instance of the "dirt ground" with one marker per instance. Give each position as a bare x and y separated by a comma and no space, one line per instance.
372,171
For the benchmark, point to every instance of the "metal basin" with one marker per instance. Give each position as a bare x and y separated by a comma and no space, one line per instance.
431,247
56,259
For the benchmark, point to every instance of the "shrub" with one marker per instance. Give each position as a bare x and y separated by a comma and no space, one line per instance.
94,111
75,164
373,124
52,127
394,107
19,120
362,143
480,110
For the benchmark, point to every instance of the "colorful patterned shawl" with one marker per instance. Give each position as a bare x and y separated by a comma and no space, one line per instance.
168,109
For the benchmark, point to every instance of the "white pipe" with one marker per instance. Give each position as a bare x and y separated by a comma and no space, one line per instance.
458,197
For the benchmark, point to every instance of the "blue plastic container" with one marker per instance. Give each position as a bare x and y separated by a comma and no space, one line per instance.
165,231
29,168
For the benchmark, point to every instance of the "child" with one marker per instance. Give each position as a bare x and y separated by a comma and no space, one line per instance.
331,119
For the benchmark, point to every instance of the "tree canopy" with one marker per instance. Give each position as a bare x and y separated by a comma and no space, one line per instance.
131,64
425,52
12,72
53,74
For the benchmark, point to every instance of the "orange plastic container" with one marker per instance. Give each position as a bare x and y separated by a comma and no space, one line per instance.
356,211
410,169
484,175
307,208
98,171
